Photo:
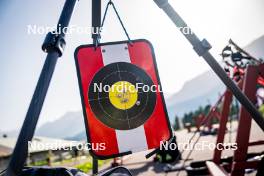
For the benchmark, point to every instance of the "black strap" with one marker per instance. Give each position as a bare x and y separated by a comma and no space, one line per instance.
118,16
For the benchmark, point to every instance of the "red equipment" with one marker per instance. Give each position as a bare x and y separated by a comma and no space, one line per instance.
239,163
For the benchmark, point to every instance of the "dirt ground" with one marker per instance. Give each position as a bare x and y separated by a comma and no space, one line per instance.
140,166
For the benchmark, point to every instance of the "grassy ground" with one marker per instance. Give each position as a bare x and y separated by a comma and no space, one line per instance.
86,167
83,163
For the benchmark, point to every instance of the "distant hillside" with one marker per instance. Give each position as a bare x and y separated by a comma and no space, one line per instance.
68,125
256,47
199,91
78,137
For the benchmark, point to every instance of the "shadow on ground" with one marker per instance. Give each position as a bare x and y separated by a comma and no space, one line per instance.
155,167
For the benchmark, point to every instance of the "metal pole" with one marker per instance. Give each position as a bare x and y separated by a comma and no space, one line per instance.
96,24
244,123
222,125
95,166
53,45
202,49
96,20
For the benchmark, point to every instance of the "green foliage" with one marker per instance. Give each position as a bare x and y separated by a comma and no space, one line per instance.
86,167
190,117
40,163
261,109
234,108
176,125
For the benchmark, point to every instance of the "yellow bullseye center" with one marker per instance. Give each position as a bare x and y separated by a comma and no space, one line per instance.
123,95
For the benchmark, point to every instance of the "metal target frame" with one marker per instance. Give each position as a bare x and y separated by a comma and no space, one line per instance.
144,134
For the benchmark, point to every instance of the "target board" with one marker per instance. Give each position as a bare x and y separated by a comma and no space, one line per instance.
122,99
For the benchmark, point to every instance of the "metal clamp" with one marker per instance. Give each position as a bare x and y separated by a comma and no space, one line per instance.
203,47
54,42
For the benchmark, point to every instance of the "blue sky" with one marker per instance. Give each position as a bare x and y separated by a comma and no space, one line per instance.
22,59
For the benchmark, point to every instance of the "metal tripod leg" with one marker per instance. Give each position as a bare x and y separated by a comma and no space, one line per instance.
53,45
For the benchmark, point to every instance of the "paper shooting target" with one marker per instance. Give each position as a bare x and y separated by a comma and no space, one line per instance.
122,109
